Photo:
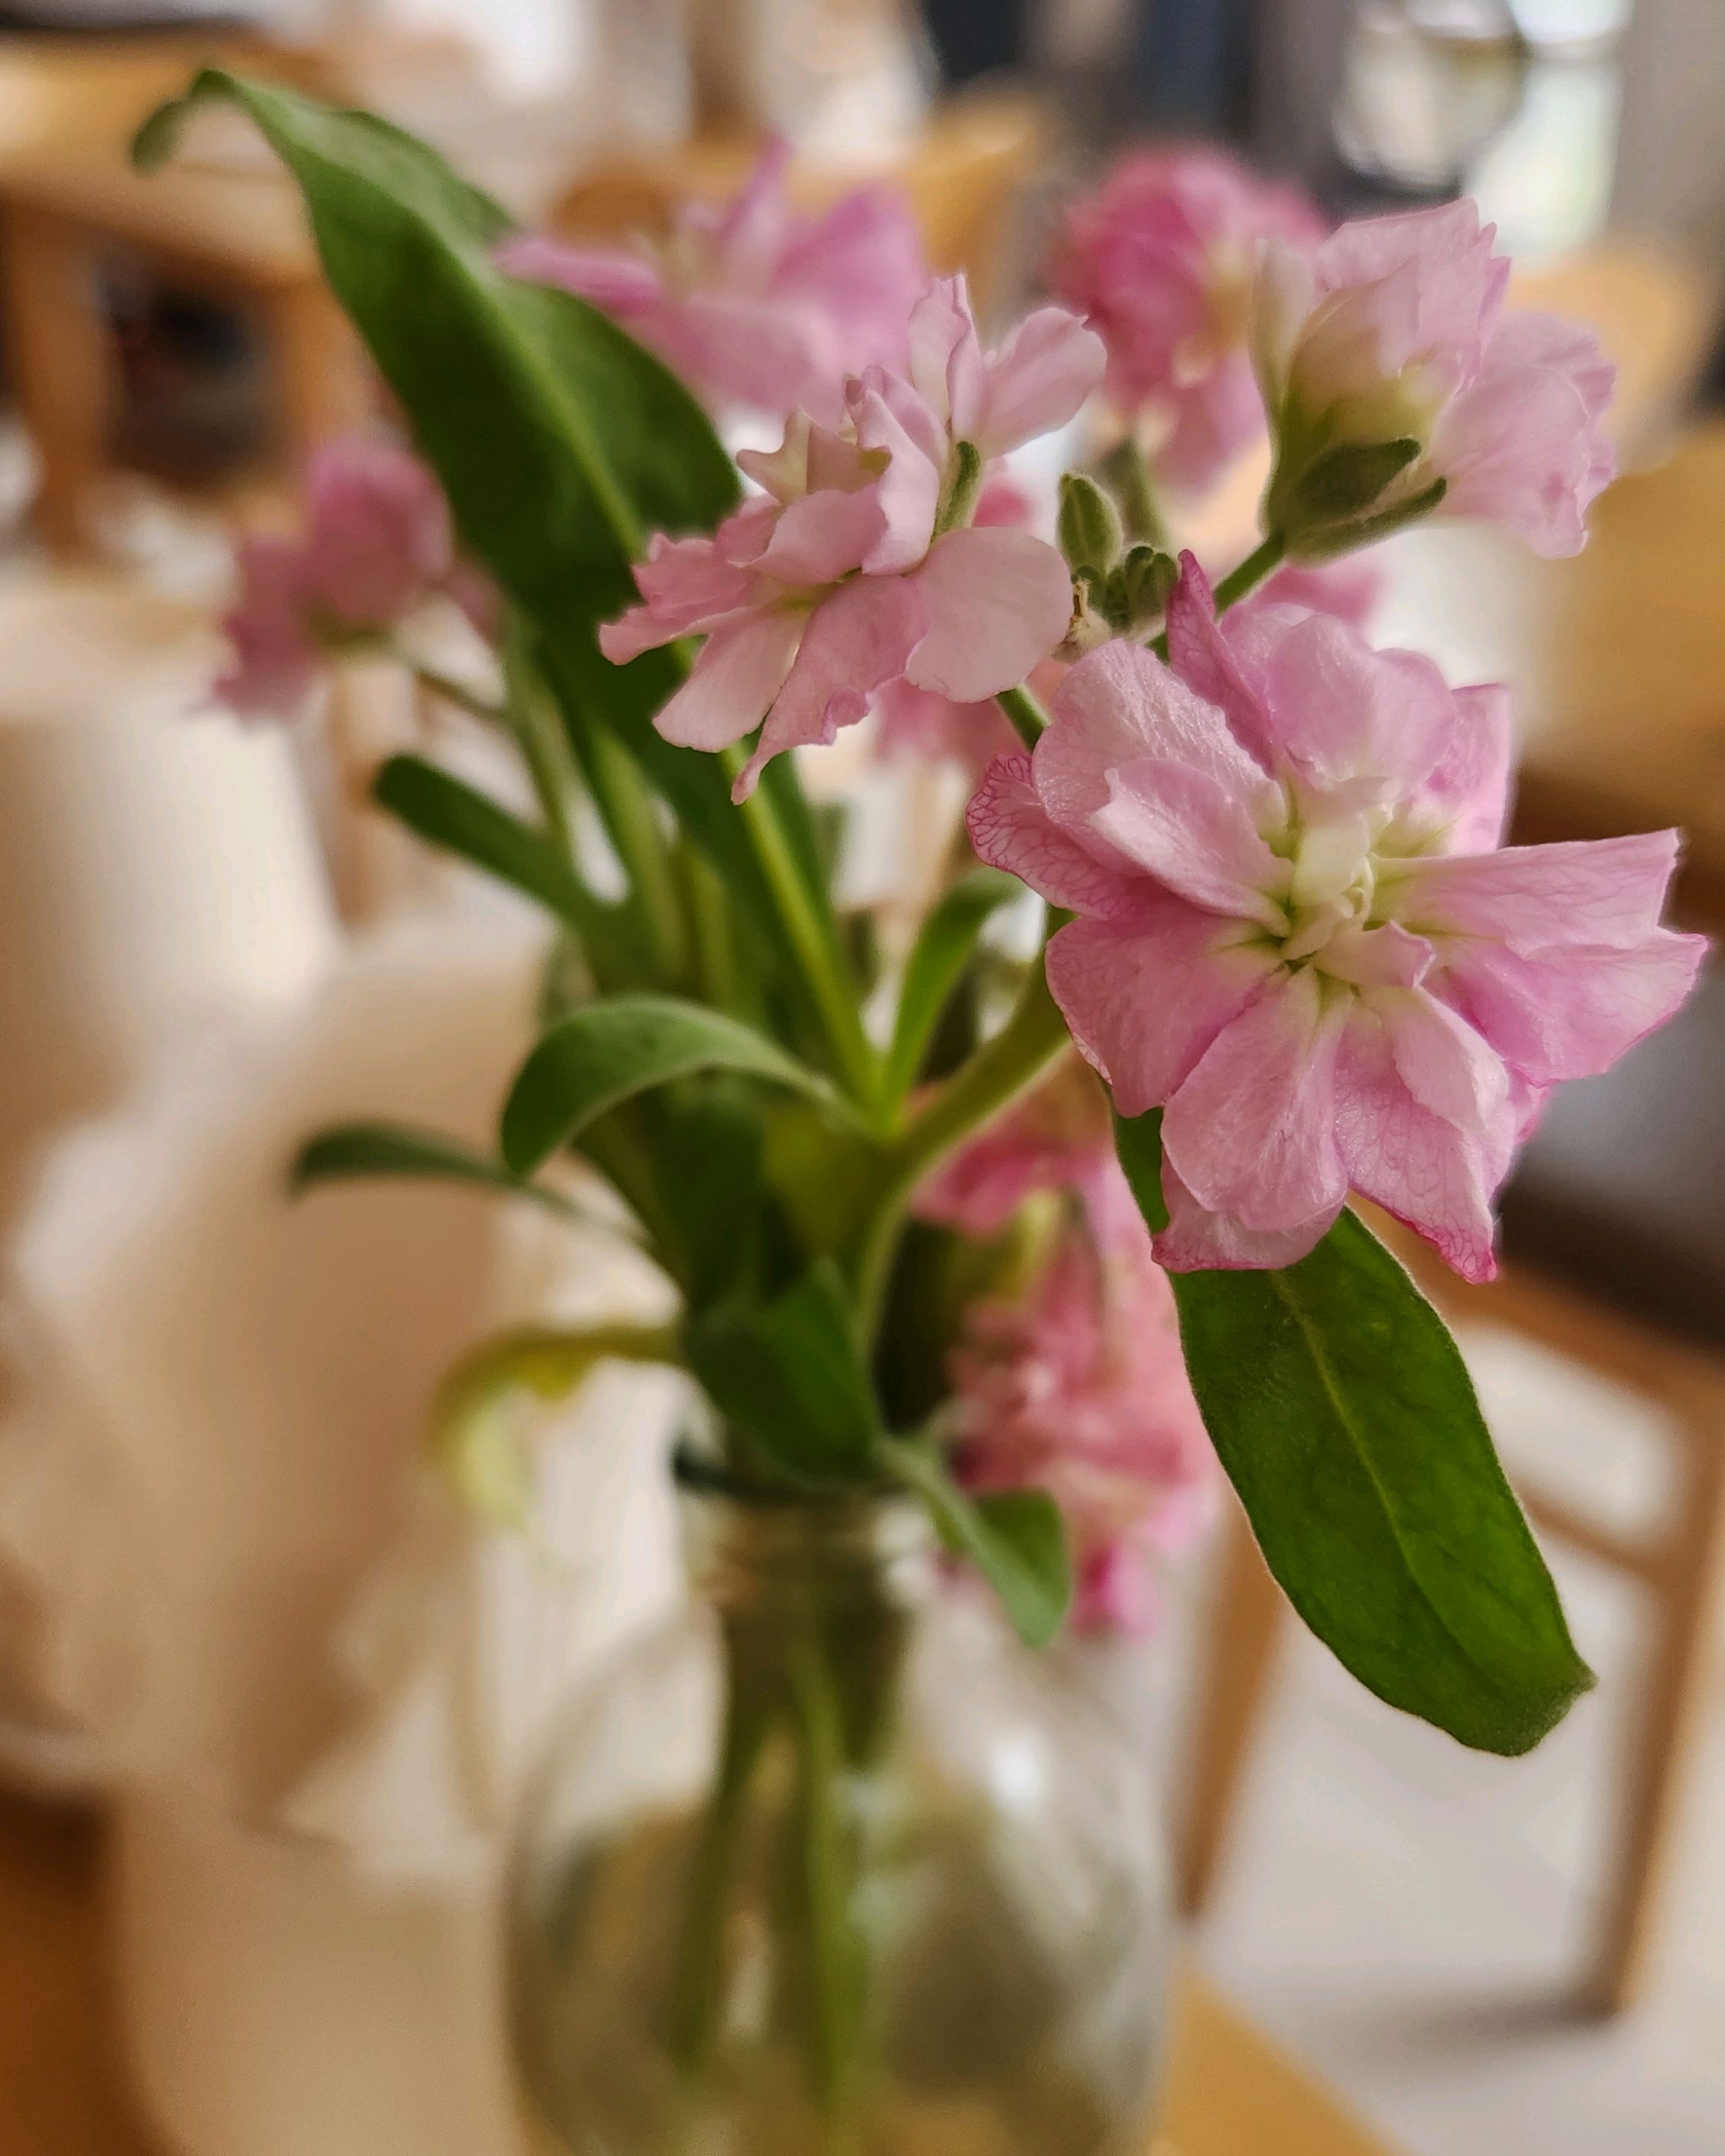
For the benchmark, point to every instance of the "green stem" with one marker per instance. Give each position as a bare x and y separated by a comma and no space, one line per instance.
1265,558
828,1875
1026,714
1127,471
1002,1068
630,816
538,729
855,1057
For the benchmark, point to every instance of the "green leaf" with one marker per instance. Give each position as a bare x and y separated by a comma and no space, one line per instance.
351,1152
941,952
623,1045
792,1376
1346,1419
1138,1142
449,813
475,1437
1344,481
1017,1538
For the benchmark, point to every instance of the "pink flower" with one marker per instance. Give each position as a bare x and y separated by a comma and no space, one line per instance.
1395,332
843,577
1160,259
1080,1389
377,543
1061,1137
755,306
1297,933
1349,588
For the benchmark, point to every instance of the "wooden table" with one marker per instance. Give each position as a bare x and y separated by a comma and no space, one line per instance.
1232,2093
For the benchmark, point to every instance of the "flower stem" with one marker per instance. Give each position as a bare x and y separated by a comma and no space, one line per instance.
835,1000
1001,1069
1265,558
1026,714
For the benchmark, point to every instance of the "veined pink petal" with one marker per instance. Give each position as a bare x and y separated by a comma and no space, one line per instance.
946,356
1011,829
997,601
1433,1175
1037,380
1341,709
1469,791
1251,1131
738,675
1444,1064
821,538
1147,992
1570,1009
854,641
1520,448
1119,704
1197,1241
1216,665
1184,828
1577,891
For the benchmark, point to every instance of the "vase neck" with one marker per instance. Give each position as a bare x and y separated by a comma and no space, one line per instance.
745,1555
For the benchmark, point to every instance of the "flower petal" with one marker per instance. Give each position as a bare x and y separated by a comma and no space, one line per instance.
1251,1131
1570,1010
1431,1174
1469,791
738,673
1147,993
1037,379
854,641
1213,664
1195,1241
1340,710
997,601
1577,890
1443,1061
1182,827
1119,704
1011,829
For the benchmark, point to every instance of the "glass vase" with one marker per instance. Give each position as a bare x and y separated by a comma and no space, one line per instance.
832,1866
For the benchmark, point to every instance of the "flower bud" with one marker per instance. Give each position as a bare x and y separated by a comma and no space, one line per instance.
1090,532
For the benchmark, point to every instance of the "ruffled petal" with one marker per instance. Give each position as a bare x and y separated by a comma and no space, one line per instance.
1577,891
1340,710
1469,791
1251,1131
1214,664
1147,991
1182,828
1195,1241
1570,1010
1011,829
738,673
1037,380
997,602
854,641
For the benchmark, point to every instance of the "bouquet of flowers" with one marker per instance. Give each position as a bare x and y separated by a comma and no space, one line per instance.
910,1228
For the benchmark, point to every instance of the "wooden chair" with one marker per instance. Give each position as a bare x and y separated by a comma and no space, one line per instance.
963,176
1678,1567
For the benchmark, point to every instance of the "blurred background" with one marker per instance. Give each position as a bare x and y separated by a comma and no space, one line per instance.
208,942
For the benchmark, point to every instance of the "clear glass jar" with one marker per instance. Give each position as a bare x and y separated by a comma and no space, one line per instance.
832,1866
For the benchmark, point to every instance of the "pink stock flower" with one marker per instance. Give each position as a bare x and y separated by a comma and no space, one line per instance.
1160,259
1395,331
1297,933
377,541
842,577
757,307
1061,1137
1080,1389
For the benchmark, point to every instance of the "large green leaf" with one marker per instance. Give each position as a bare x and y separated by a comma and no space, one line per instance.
1346,1419
792,1376
1016,1537
347,1152
621,1046
937,959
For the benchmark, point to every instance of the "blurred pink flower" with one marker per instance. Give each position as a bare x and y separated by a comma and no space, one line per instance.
1080,1389
1060,1137
842,577
377,541
1348,588
1394,331
757,307
1160,259
1297,933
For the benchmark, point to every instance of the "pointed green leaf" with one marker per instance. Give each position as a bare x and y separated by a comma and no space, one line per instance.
1017,1538
623,1045
1346,1419
792,1376
448,813
348,1153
